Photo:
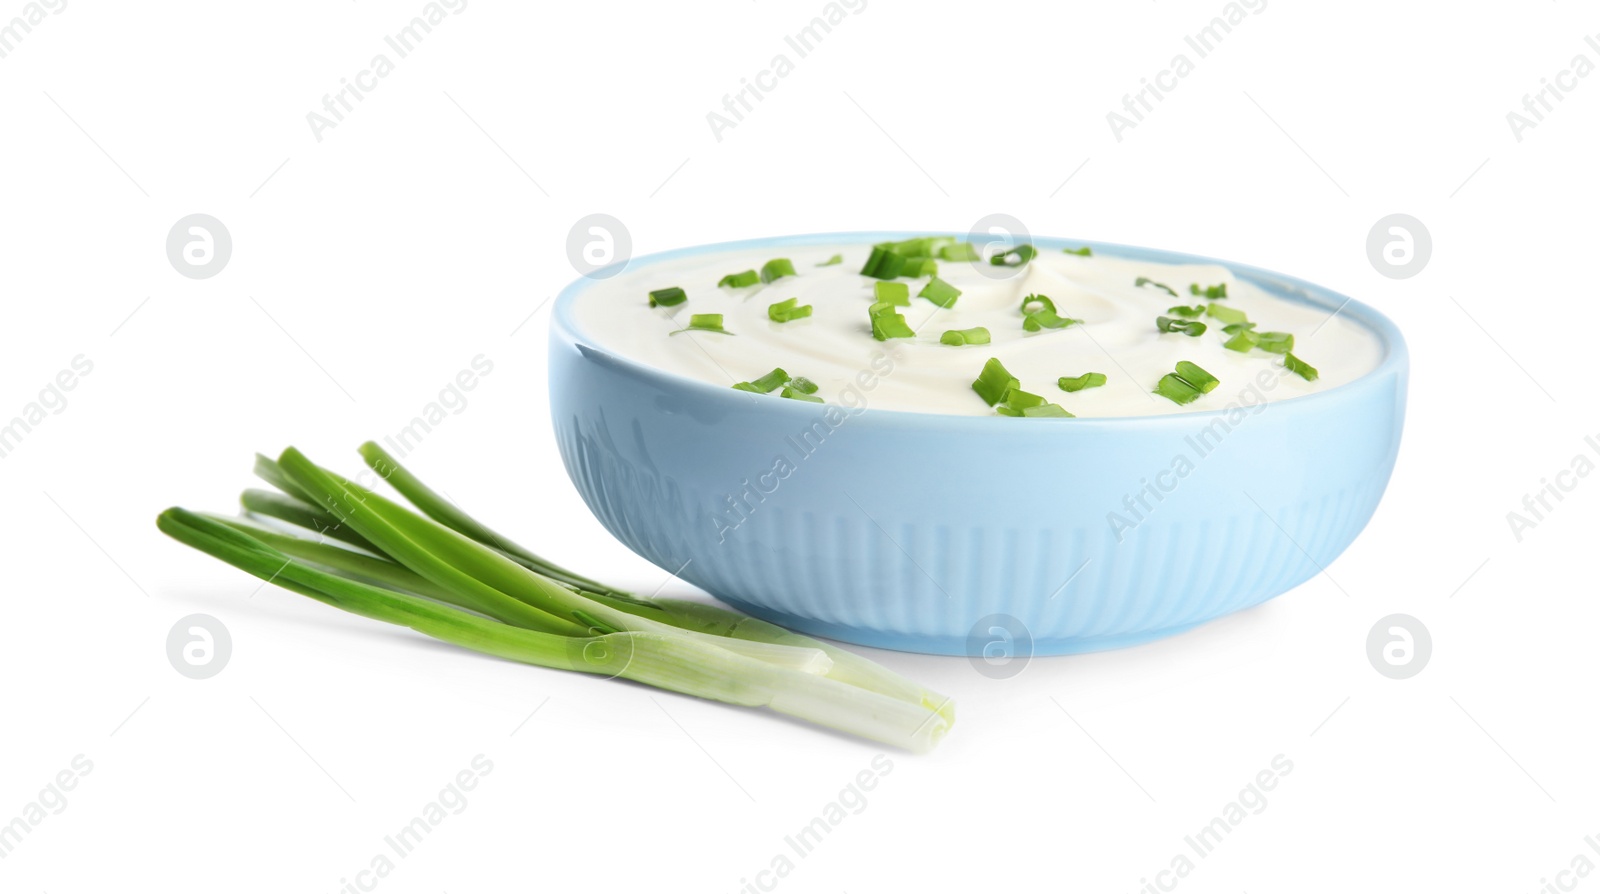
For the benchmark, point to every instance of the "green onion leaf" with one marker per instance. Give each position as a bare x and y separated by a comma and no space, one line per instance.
1016,401
793,393
915,267
1228,315
785,310
776,269
740,280
1039,312
833,261
882,263
958,251
993,383
1078,383
1196,376
1184,310
892,293
803,385
1083,252
1048,410
1186,384
1015,256
887,323
1233,328
767,383
940,292
1191,328
671,297
1275,342
1147,281
1242,341
1210,293
703,323
1299,367
977,335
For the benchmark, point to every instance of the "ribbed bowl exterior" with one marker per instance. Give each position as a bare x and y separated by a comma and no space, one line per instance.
906,530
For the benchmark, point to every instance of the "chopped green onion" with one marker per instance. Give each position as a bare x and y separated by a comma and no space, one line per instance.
958,251
785,310
794,393
882,263
1191,328
1242,341
887,323
1083,252
835,260
671,297
993,383
915,267
1048,410
1299,367
1233,328
1015,256
776,269
892,293
1275,342
940,292
1196,376
1078,383
803,385
740,280
977,335
767,383
1016,401
1186,384
1044,316
1184,310
1147,281
1210,293
703,323
1228,315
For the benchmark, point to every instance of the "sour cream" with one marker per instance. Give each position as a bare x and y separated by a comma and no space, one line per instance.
834,347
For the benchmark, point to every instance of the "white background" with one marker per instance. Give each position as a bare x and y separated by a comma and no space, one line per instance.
369,267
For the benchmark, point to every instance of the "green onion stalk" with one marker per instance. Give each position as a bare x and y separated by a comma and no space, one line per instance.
442,573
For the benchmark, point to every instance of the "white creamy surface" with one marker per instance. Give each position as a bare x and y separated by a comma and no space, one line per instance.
834,347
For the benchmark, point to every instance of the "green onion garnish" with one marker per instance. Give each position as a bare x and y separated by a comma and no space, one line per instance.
1275,342
667,297
1083,252
1147,281
1301,368
836,259
767,383
1039,312
1242,341
1048,410
977,335
958,251
887,323
1184,310
1015,256
1186,384
803,385
740,280
1016,401
915,267
1228,315
1191,328
1232,328
785,310
993,383
1078,383
940,292
892,293
1210,293
794,393
882,263
776,268
703,323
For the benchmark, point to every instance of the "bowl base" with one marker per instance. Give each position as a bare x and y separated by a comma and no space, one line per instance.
950,645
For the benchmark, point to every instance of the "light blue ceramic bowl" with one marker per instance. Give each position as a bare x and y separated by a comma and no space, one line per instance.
933,533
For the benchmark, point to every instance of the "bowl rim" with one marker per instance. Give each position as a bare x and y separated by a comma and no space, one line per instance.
1395,359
